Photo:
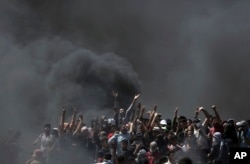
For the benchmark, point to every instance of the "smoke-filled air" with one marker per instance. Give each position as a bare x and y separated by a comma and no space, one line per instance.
184,54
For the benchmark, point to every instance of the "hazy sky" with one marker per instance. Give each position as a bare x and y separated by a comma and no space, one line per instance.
184,54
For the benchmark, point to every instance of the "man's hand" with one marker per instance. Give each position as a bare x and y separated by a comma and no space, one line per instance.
63,110
75,110
176,111
137,96
155,107
201,109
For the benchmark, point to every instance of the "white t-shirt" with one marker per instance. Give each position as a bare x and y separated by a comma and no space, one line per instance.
46,141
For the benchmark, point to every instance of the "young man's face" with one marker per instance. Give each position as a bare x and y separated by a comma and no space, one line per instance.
46,129
183,123
124,129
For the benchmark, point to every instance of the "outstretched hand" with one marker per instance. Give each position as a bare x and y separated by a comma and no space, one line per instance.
155,107
63,109
176,111
201,108
137,96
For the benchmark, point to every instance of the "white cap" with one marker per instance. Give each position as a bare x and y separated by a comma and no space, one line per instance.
156,128
111,121
84,128
242,123
163,122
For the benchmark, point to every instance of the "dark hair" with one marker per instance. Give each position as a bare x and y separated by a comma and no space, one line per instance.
162,159
107,156
120,158
185,160
182,119
47,126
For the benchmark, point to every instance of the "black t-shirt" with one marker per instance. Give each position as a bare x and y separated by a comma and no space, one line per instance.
128,154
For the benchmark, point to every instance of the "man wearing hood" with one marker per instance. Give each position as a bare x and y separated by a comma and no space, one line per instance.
153,154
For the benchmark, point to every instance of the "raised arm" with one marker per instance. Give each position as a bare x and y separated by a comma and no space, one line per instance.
205,112
62,120
116,116
79,124
116,111
151,117
217,116
137,113
142,113
73,120
130,108
206,120
175,123
115,94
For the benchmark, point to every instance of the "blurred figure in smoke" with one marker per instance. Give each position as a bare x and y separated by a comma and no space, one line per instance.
36,158
10,147
55,150
47,142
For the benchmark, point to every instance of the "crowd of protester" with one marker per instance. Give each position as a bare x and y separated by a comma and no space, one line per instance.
136,136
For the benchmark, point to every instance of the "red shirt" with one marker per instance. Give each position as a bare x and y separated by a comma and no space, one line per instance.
110,135
152,157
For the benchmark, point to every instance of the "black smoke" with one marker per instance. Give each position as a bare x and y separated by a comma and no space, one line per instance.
43,76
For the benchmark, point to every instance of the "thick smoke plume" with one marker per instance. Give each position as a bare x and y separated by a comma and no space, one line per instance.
66,53
45,75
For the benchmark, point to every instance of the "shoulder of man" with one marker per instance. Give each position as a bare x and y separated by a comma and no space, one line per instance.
41,135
